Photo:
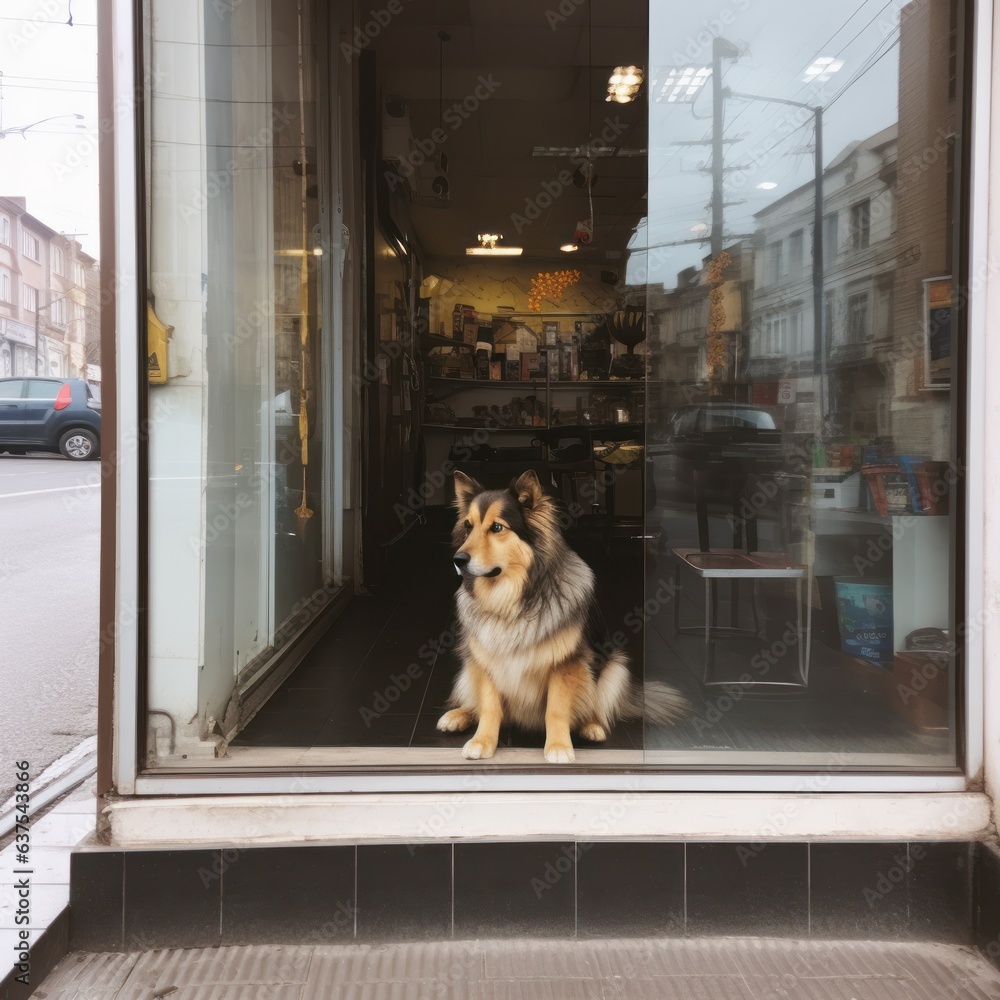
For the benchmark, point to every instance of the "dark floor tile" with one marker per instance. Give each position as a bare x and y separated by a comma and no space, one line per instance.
404,893
299,699
510,890
986,912
288,895
337,656
386,689
940,892
96,883
737,888
283,729
860,891
630,889
426,733
442,681
352,728
172,899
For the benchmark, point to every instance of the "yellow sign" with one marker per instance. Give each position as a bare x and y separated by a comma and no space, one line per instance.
157,335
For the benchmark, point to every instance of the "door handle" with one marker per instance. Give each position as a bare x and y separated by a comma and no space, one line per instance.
8,406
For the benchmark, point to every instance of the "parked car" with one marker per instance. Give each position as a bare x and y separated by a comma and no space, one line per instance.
50,414
717,440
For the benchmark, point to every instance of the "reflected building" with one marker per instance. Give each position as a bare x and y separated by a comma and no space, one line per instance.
859,251
918,363
694,357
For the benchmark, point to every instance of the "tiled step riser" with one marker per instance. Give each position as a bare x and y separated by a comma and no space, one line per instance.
918,891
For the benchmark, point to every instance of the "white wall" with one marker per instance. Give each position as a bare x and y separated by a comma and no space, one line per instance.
176,447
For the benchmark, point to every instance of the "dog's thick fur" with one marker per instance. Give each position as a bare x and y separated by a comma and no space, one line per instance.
525,609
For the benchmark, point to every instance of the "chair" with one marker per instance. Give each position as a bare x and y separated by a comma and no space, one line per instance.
736,564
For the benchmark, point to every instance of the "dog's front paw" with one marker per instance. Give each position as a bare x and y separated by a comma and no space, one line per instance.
479,749
559,753
455,720
594,732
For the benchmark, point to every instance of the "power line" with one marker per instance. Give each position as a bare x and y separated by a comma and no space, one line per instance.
840,52
45,20
871,63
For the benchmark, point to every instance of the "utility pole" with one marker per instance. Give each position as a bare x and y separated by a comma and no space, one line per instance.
819,326
721,49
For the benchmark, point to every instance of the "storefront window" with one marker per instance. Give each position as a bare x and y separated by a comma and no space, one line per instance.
695,273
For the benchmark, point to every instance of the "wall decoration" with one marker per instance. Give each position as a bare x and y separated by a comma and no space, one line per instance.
550,285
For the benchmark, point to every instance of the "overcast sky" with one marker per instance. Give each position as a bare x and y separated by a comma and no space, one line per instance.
778,40
50,68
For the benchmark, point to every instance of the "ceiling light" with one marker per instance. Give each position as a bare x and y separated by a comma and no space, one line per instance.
767,185
569,247
821,69
494,251
681,84
488,247
624,84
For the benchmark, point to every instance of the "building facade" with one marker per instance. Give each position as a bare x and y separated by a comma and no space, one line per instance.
48,304
277,619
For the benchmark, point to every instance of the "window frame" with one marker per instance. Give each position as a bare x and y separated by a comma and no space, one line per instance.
861,224
125,225
26,235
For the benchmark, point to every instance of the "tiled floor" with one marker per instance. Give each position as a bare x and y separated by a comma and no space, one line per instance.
381,675
635,969
52,839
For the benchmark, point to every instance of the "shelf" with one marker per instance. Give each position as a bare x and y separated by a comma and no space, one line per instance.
478,383
631,428
484,427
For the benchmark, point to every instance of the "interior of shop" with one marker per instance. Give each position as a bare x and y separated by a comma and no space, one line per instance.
485,128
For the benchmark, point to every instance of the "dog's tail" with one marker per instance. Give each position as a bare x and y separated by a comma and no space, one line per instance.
621,696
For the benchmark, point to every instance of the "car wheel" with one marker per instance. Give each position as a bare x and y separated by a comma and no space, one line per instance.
78,445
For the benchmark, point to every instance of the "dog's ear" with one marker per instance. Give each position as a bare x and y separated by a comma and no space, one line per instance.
528,489
465,489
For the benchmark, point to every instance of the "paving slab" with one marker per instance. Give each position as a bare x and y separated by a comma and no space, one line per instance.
736,968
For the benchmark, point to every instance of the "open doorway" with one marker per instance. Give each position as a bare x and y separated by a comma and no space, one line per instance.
505,201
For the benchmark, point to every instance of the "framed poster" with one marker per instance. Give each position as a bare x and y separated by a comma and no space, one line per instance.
937,332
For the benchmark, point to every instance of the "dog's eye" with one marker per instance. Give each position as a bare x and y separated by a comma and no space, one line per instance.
496,527
468,526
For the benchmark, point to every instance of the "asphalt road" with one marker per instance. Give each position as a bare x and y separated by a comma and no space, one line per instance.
49,571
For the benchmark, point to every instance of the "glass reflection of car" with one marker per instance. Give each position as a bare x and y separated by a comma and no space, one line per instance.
716,445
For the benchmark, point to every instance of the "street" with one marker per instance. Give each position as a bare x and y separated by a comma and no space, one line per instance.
49,572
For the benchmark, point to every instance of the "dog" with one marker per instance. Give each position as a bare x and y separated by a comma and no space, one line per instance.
530,652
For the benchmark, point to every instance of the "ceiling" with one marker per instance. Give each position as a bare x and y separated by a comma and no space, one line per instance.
547,65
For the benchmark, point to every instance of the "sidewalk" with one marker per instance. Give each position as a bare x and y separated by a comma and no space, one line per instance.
633,969
53,837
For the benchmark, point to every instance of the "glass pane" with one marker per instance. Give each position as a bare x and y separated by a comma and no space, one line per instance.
797,264
237,442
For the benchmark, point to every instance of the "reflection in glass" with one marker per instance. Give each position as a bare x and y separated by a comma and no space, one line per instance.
796,261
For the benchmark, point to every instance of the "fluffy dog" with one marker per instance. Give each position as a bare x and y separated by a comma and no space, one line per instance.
529,653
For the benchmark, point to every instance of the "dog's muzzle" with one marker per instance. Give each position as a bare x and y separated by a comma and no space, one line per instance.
463,566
